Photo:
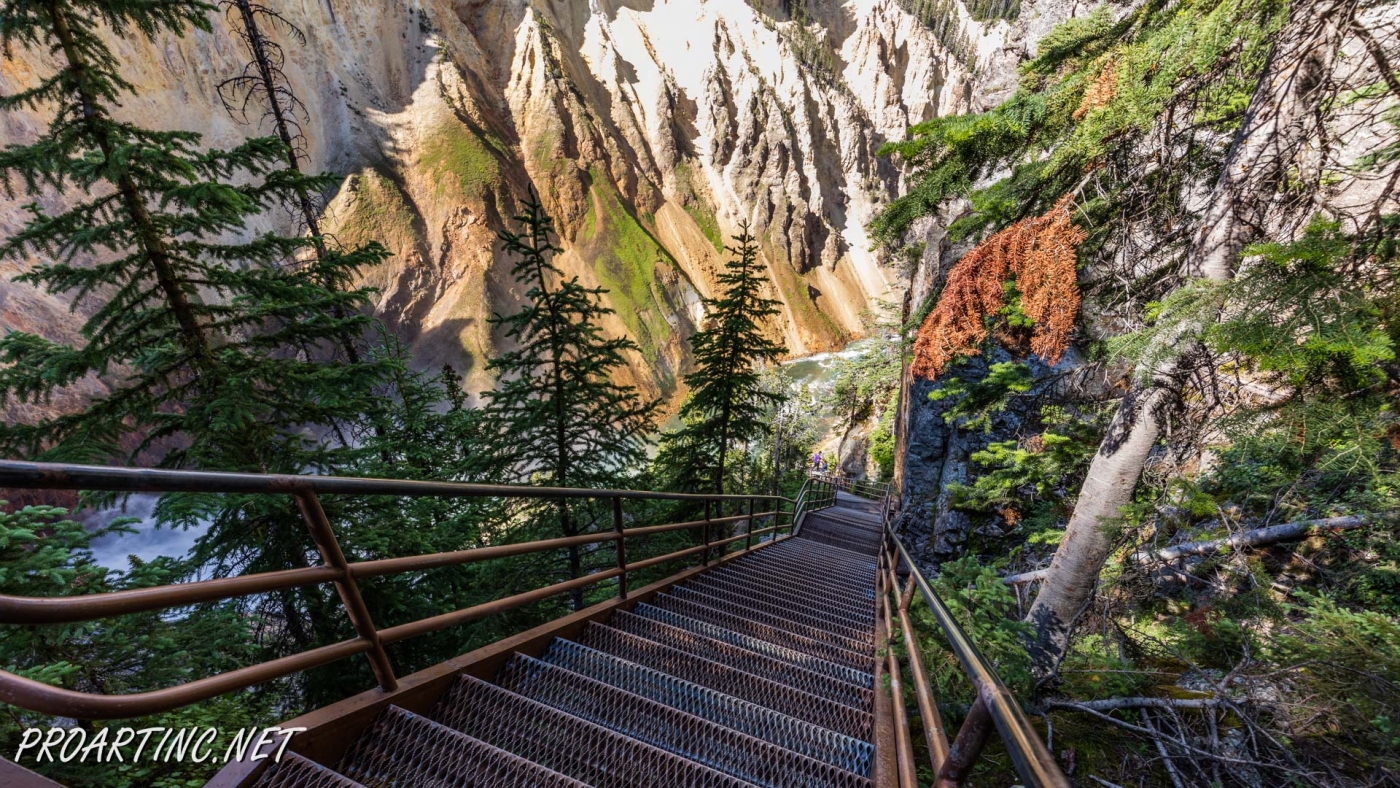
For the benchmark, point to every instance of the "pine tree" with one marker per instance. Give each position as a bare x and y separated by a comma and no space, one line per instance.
213,354
43,554
727,401
197,341
563,419
264,85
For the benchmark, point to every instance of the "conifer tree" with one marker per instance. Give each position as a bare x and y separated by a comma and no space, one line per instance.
563,420
196,340
727,399
263,85
212,353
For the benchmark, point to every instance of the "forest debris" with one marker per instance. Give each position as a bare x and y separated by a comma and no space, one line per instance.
1258,537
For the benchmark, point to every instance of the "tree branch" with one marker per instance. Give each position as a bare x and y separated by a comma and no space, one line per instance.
1258,537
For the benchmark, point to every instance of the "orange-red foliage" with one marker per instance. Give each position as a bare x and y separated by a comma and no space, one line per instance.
1102,91
1040,254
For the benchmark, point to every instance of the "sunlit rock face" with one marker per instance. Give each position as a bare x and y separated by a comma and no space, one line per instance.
651,130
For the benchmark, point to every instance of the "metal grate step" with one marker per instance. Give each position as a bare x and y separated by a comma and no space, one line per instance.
752,584
809,557
835,670
857,584
822,620
814,741
850,559
670,729
840,541
854,592
732,681
751,662
294,771
824,649
778,620
565,743
403,749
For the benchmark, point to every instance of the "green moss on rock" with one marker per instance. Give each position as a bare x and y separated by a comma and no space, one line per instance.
458,160
625,258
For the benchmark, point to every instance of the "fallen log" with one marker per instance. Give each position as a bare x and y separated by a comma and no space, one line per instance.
1257,537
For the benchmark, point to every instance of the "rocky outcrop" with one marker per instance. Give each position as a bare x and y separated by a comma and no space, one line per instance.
653,129
933,456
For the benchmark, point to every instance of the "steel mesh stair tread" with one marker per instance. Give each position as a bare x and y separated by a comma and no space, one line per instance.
751,584
805,554
843,525
781,577
770,694
822,649
860,588
744,605
805,738
839,542
846,559
565,743
751,662
860,582
404,749
854,517
868,541
857,513
722,748
776,621
294,771
769,648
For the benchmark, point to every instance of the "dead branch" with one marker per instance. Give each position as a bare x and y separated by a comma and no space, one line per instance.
1113,704
1258,537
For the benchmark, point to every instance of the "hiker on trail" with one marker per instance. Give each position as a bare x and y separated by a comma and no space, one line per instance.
817,461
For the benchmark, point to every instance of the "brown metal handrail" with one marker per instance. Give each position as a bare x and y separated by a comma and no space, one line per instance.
995,706
370,640
862,487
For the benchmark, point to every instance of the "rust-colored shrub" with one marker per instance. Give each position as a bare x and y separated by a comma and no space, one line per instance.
1102,91
1039,253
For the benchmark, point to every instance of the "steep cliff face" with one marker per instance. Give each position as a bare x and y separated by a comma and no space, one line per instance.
933,456
652,131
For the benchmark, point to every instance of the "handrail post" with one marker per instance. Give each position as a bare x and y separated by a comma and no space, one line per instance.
748,536
620,548
321,533
705,556
904,749
962,756
935,735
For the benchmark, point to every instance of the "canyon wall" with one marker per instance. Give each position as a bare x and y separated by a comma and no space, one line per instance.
652,130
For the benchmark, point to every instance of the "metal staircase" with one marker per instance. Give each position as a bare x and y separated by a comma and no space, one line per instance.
757,672
770,663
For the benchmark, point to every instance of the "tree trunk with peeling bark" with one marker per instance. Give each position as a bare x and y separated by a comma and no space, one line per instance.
1281,118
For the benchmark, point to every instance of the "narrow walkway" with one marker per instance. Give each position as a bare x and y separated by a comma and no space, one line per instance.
756,672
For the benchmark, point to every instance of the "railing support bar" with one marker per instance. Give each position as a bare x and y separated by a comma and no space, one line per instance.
904,746
935,735
705,555
748,535
324,537
620,548
972,737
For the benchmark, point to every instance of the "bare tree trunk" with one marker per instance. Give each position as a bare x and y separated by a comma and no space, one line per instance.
1257,537
1281,118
